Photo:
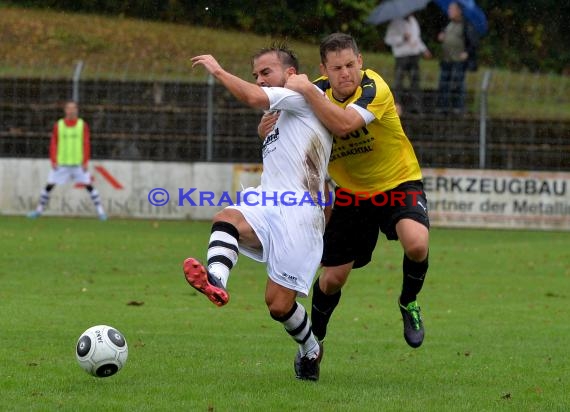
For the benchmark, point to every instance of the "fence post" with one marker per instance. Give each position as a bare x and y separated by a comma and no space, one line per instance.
210,120
483,118
76,77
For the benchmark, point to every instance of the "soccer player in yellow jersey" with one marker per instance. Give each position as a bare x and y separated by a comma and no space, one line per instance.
378,178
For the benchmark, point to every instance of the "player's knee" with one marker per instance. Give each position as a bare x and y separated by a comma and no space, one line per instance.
219,216
417,251
277,309
227,215
332,280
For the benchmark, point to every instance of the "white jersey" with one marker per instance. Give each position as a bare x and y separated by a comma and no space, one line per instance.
296,152
295,159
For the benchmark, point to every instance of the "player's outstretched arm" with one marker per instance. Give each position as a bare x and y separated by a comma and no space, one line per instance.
249,93
338,120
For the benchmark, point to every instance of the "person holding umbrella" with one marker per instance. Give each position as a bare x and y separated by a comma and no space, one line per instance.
459,45
404,37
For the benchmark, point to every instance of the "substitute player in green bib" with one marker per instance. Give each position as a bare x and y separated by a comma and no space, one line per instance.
70,151
378,182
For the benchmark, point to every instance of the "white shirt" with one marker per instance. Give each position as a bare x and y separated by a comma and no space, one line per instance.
296,152
395,37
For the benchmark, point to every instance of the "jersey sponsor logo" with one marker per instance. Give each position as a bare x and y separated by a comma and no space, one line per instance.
269,140
350,152
363,131
352,144
355,143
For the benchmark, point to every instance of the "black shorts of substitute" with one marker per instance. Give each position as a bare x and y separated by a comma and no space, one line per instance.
352,231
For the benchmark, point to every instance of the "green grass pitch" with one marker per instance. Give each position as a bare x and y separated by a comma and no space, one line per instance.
495,307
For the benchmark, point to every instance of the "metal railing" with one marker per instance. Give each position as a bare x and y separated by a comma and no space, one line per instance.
176,120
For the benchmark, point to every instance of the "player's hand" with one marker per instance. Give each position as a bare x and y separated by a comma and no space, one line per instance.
208,62
298,83
267,123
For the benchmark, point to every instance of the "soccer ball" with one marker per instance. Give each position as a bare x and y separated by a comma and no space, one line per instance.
102,351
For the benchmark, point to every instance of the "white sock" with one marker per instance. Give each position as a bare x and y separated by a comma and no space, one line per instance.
44,199
97,201
298,325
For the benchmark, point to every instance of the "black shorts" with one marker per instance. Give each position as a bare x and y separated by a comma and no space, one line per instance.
352,231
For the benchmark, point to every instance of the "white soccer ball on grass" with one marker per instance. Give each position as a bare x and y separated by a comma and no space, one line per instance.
102,351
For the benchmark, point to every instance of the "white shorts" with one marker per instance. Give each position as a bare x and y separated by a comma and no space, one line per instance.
64,174
291,239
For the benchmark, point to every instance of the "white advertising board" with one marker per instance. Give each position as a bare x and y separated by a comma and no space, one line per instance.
166,190
157,190
498,199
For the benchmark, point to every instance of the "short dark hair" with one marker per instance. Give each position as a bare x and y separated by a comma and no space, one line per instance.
336,42
287,57
70,101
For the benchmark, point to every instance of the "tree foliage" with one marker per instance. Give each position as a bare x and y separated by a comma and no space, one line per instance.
522,34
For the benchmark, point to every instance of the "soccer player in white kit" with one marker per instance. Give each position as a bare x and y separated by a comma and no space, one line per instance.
70,150
281,222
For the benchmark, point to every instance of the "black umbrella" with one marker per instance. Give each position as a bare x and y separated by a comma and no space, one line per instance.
395,9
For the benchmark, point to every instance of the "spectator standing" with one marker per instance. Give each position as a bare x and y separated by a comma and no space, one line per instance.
404,37
459,45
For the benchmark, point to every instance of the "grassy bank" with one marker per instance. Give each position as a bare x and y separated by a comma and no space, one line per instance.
43,43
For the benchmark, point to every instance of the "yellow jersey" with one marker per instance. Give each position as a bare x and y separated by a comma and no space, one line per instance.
379,156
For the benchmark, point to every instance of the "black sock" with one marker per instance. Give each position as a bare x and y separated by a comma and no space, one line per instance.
323,307
413,279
